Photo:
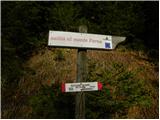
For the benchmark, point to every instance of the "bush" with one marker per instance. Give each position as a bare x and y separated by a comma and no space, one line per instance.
51,103
122,90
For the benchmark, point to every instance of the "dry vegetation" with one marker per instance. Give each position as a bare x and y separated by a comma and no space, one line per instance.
31,80
53,66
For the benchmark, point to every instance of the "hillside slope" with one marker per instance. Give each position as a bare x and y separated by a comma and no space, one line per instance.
130,85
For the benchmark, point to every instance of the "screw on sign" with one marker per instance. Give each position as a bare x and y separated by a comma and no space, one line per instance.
82,41
82,86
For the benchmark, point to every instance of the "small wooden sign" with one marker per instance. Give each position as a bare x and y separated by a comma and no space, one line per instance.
82,86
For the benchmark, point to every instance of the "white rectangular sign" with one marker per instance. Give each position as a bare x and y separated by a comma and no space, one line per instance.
79,40
83,86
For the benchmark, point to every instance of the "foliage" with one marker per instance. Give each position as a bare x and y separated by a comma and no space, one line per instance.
25,27
125,91
51,103
59,55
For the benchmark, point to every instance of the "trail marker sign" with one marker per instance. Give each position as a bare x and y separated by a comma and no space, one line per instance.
82,86
83,40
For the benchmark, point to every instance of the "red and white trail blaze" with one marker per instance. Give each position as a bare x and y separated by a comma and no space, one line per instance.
82,86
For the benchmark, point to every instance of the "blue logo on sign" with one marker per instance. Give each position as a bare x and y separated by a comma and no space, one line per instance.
107,45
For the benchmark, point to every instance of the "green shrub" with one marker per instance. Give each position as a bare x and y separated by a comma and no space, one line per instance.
123,91
51,103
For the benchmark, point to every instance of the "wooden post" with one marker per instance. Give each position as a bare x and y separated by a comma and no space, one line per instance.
81,77
109,43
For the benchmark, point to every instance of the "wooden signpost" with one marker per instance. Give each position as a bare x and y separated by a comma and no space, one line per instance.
82,41
81,77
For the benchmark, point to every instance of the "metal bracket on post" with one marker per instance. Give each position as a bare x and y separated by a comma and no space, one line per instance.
81,77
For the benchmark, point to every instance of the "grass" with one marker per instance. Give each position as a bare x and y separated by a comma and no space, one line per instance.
130,85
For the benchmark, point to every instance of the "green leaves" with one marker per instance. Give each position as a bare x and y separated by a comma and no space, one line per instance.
122,89
51,103
25,27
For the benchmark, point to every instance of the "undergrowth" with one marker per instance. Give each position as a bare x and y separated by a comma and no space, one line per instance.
130,86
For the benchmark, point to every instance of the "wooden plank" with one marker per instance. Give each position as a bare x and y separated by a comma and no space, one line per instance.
81,76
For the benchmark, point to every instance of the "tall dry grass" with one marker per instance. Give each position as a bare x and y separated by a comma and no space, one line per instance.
44,68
